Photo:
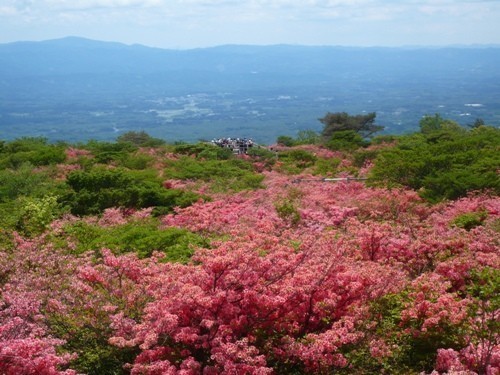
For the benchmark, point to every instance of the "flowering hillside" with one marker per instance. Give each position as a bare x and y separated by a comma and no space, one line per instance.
188,260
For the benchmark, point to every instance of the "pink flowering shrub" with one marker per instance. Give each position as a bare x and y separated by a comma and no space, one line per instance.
29,291
298,277
73,153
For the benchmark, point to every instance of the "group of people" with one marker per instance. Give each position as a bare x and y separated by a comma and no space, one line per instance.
238,145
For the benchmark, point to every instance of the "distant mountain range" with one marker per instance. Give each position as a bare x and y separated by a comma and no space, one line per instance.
76,89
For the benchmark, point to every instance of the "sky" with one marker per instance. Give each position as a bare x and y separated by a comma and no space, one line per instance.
183,24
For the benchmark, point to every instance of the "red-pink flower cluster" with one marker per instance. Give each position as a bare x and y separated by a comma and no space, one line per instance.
269,292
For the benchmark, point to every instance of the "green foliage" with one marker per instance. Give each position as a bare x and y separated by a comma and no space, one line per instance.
287,211
137,161
296,160
364,125
345,140
383,139
386,319
442,164
96,356
287,207
327,167
177,244
485,287
215,153
140,139
20,186
99,188
411,350
285,140
308,137
456,182
362,156
205,151
301,157
262,153
224,175
485,291
36,214
304,137
477,123
430,124
24,181
106,152
411,353
141,237
34,151
470,220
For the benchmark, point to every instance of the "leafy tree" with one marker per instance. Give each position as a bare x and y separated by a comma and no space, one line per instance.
364,125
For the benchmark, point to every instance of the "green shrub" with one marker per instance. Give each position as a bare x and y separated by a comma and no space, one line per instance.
362,156
304,137
106,152
327,167
141,237
91,192
25,181
140,139
224,175
36,214
34,151
137,161
287,211
442,164
285,140
296,160
469,220
205,151
345,140
287,207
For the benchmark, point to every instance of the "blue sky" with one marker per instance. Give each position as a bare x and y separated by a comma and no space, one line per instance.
203,23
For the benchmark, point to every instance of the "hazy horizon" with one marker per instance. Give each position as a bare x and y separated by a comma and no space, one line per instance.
186,24
73,89
407,46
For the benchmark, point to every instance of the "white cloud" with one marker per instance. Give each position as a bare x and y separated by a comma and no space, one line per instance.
8,11
97,4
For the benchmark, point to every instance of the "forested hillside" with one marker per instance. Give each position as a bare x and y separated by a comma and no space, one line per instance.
335,252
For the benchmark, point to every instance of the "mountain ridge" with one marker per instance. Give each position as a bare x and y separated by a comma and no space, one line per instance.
80,39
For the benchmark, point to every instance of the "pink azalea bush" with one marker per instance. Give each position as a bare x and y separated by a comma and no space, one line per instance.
307,277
